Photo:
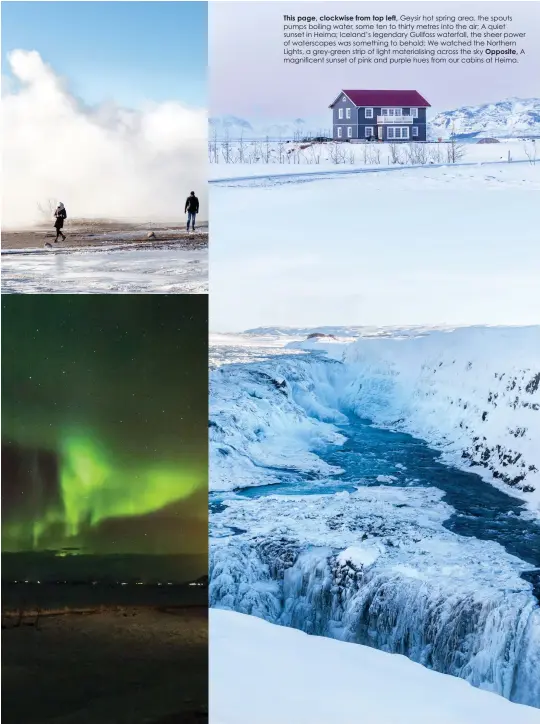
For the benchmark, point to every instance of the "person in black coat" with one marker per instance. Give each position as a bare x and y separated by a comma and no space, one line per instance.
192,209
60,216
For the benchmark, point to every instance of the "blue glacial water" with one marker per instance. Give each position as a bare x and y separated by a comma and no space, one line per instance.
374,456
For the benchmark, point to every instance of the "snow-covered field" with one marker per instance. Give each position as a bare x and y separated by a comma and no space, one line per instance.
101,271
263,674
381,544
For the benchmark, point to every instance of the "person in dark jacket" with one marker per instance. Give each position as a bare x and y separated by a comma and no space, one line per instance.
60,216
192,209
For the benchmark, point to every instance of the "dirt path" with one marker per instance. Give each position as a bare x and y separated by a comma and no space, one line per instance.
82,233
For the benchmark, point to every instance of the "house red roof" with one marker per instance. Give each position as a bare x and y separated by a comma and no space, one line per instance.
405,98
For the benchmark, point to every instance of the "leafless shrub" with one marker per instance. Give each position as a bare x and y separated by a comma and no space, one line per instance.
314,154
336,153
395,153
241,149
455,150
226,147
281,151
46,209
531,151
416,153
435,153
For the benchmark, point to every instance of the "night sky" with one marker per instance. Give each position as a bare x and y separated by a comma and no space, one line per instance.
104,424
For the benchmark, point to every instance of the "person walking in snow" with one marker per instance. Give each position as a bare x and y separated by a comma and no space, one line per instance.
60,216
192,209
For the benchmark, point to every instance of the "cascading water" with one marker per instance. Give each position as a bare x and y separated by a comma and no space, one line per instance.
315,541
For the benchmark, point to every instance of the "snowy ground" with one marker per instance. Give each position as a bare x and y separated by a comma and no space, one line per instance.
432,245
267,674
101,271
498,176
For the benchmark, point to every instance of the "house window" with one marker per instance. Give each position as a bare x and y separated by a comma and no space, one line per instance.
369,112
339,130
347,113
369,132
340,113
349,131
397,133
414,112
415,131
392,111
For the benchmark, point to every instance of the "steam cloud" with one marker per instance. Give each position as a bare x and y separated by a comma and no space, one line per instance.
101,162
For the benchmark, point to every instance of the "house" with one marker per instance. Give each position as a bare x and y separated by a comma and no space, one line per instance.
384,115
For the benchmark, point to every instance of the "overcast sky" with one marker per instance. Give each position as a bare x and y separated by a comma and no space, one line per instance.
249,79
303,255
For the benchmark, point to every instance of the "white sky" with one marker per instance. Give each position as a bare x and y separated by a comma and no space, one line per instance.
249,79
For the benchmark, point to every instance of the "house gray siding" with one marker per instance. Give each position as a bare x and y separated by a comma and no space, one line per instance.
359,121
344,123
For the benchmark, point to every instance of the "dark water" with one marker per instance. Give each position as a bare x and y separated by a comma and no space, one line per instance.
481,510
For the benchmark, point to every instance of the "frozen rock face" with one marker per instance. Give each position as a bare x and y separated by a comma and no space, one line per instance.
473,393
505,119
377,568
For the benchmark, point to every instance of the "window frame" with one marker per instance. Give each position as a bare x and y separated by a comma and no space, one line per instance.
368,112
369,135
391,133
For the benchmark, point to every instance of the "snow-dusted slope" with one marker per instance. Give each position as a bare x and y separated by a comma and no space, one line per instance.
504,119
474,393
263,674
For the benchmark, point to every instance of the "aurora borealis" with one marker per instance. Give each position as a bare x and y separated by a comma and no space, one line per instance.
104,424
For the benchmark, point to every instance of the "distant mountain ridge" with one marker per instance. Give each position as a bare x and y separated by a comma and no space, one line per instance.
509,118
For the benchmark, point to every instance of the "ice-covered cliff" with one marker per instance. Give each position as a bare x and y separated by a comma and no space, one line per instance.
473,393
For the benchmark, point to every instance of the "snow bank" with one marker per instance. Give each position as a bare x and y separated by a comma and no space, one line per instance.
266,674
473,393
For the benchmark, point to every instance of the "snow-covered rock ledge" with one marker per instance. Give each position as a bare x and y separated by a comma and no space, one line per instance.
473,393
263,674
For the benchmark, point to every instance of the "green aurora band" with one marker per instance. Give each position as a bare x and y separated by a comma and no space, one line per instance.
95,489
